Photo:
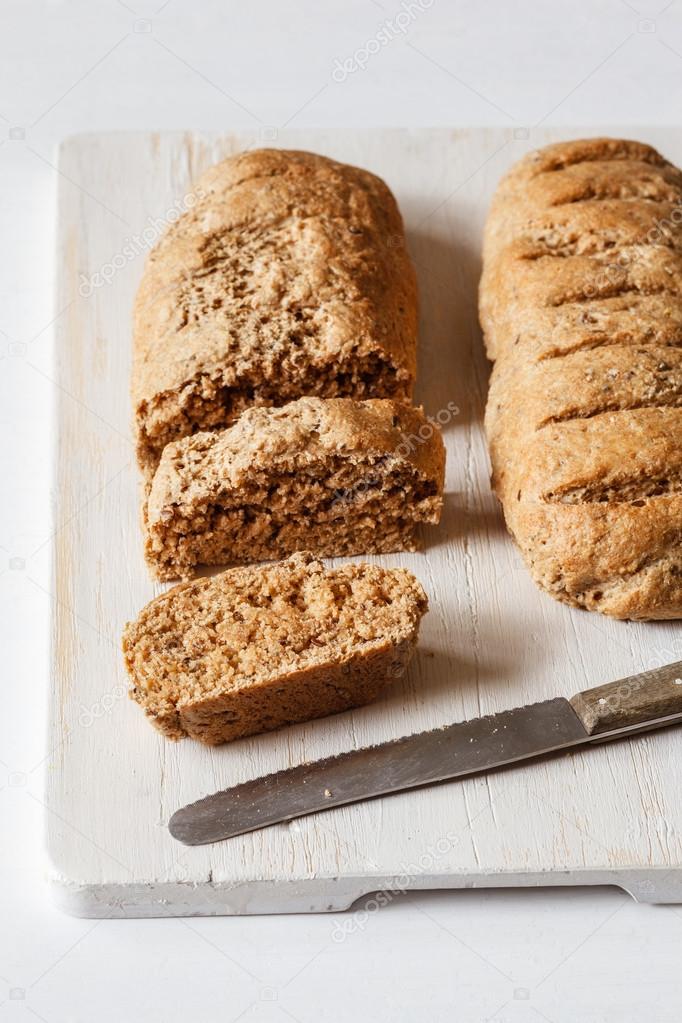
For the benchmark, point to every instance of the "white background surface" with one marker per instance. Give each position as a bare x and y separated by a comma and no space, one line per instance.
574,956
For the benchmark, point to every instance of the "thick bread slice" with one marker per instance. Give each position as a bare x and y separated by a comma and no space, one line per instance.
332,476
288,276
581,306
256,648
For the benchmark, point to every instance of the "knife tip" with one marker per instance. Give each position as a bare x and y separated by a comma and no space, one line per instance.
182,830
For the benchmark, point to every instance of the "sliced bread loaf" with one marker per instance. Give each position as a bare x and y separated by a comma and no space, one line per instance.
289,275
259,647
334,477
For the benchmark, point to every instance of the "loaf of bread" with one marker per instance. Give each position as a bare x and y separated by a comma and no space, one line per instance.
332,476
581,308
288,276
260,647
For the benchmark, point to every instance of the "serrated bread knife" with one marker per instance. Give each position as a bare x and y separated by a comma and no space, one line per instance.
636,704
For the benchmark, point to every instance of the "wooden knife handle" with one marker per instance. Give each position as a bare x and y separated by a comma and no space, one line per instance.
631,701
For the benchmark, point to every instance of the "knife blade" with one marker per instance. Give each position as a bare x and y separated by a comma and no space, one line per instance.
652,699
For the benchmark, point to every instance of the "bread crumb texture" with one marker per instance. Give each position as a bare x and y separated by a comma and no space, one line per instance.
331,476
256,648
289,275
581,307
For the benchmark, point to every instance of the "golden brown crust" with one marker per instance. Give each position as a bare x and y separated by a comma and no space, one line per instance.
581,307
260,647
288,276
333,476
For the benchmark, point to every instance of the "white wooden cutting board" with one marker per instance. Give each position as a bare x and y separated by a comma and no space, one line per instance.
491,641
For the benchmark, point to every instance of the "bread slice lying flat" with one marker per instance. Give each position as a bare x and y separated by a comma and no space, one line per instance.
256,648
333,476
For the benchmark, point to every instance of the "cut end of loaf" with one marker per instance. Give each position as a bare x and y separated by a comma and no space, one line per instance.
257,648
334,477
213,402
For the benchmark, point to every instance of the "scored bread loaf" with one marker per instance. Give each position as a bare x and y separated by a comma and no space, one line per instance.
288,276
581,308
332,476
256,648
